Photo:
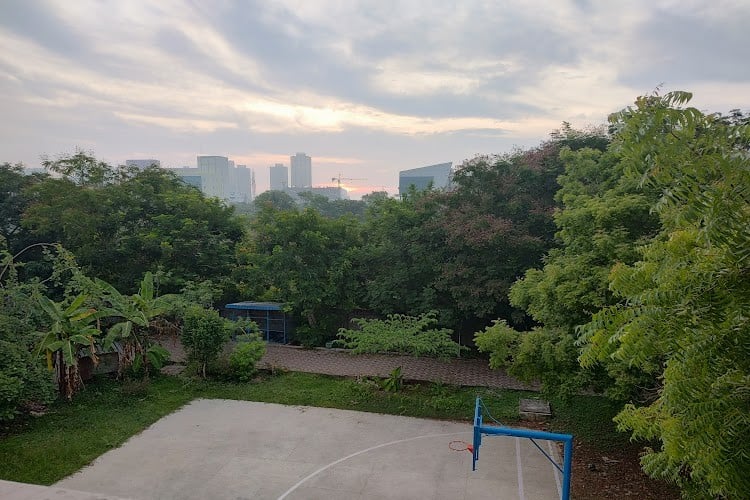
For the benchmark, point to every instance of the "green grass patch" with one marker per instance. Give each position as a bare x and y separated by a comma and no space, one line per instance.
44,450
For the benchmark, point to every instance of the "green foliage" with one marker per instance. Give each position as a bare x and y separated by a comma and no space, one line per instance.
333,209
400,258
547,355
14,199
604,217
274,200
204,334
23,380
304,260
498,222
394,382
683,316
81,168
415,336
146,220
245,356
70,326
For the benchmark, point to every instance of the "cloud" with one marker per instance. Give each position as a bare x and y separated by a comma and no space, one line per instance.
389,84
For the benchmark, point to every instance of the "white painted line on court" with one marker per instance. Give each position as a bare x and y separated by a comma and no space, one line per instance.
312,475
555,472
521,495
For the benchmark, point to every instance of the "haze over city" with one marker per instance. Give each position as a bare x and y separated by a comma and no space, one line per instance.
365,88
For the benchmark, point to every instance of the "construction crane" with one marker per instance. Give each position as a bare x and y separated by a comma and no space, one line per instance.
339,179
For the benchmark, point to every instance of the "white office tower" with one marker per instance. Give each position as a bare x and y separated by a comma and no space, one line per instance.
301,170
252,184
214,172
279,177
239,188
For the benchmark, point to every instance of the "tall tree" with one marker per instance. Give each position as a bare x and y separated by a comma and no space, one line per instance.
498,222
121,224
603,217
14,199
400,259
684,314
305,260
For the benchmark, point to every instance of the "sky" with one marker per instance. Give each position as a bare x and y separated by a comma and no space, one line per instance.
366,88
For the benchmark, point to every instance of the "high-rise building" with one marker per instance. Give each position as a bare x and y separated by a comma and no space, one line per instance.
279,177
214,172
438,176
141,164
239,187
301,170
252,184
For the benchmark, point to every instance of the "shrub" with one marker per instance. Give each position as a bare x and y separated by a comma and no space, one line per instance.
398,333
23,380
245,355
204,334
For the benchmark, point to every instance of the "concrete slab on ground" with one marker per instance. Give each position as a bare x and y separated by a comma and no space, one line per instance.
10,490
237,449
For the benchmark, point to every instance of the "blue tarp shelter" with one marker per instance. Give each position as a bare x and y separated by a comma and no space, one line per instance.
274,324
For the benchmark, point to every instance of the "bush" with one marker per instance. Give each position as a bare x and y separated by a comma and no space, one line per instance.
204,334
245,355
416,336
23,381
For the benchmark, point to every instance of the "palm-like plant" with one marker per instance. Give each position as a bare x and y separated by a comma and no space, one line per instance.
71,327
137,312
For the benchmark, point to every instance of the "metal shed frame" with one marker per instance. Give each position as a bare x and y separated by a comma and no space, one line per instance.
269,316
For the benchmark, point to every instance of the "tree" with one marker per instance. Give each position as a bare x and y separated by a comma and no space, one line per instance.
398,263
399,333
498,222
204,334
146,221
277,200
24,383
305,260
333,209
14,199
82,169
604,217
683,314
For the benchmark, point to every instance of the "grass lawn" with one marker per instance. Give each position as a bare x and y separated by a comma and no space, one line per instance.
45,449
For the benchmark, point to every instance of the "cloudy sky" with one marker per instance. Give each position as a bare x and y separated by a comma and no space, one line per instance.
366,88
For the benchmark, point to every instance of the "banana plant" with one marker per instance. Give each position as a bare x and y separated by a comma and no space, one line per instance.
71,327
137,311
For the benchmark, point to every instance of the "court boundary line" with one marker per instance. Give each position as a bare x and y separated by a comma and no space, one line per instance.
361,452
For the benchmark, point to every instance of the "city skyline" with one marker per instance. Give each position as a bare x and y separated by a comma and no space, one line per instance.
366,89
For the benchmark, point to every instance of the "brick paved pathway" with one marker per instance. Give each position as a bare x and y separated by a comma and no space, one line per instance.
465,372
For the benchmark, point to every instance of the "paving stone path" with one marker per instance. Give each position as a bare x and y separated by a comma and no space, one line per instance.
465,372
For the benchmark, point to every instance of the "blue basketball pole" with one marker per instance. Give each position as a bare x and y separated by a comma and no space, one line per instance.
566,439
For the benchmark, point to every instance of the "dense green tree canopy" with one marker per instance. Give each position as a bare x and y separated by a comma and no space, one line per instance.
498,222
399,262
305,260
684,314
14,198
278,200
133,222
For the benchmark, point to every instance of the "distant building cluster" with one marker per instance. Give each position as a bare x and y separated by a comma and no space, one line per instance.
301,179
219,177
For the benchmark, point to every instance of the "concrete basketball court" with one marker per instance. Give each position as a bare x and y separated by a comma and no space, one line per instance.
221,449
